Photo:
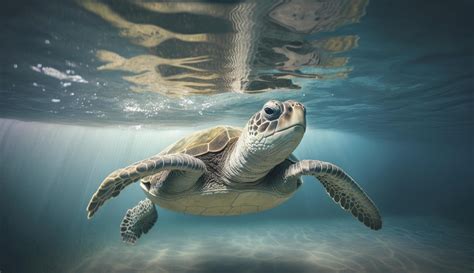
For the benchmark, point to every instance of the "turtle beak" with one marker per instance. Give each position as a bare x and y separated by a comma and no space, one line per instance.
294,116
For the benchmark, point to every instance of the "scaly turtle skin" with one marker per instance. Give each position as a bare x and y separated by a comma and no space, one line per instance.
230,171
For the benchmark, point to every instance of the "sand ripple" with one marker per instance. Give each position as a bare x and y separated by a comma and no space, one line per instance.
404,245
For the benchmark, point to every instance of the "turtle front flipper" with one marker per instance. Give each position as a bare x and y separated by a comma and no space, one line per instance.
119,179
138,220
342,189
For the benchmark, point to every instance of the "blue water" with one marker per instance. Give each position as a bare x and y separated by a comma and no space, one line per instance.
394,109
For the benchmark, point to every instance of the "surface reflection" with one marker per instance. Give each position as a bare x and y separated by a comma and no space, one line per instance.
146,35
260,45
308,16
148,76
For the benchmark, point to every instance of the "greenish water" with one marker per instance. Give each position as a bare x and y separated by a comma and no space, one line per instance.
50,171
89,86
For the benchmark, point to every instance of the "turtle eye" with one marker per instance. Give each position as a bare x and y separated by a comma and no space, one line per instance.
271,110
268,110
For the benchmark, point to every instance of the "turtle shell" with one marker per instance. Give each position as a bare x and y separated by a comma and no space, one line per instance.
218,198
209,140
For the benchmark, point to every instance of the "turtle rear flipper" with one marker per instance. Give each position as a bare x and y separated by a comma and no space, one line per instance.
138,220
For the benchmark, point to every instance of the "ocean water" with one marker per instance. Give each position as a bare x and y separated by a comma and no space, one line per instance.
89,86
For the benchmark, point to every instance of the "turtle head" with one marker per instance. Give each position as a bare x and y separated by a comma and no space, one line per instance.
269,138
276,130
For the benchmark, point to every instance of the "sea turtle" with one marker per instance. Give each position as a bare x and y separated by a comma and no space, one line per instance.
230,171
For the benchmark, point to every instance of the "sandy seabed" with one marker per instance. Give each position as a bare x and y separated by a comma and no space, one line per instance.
403,245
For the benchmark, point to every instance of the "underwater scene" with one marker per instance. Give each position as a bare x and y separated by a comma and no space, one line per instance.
237,136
